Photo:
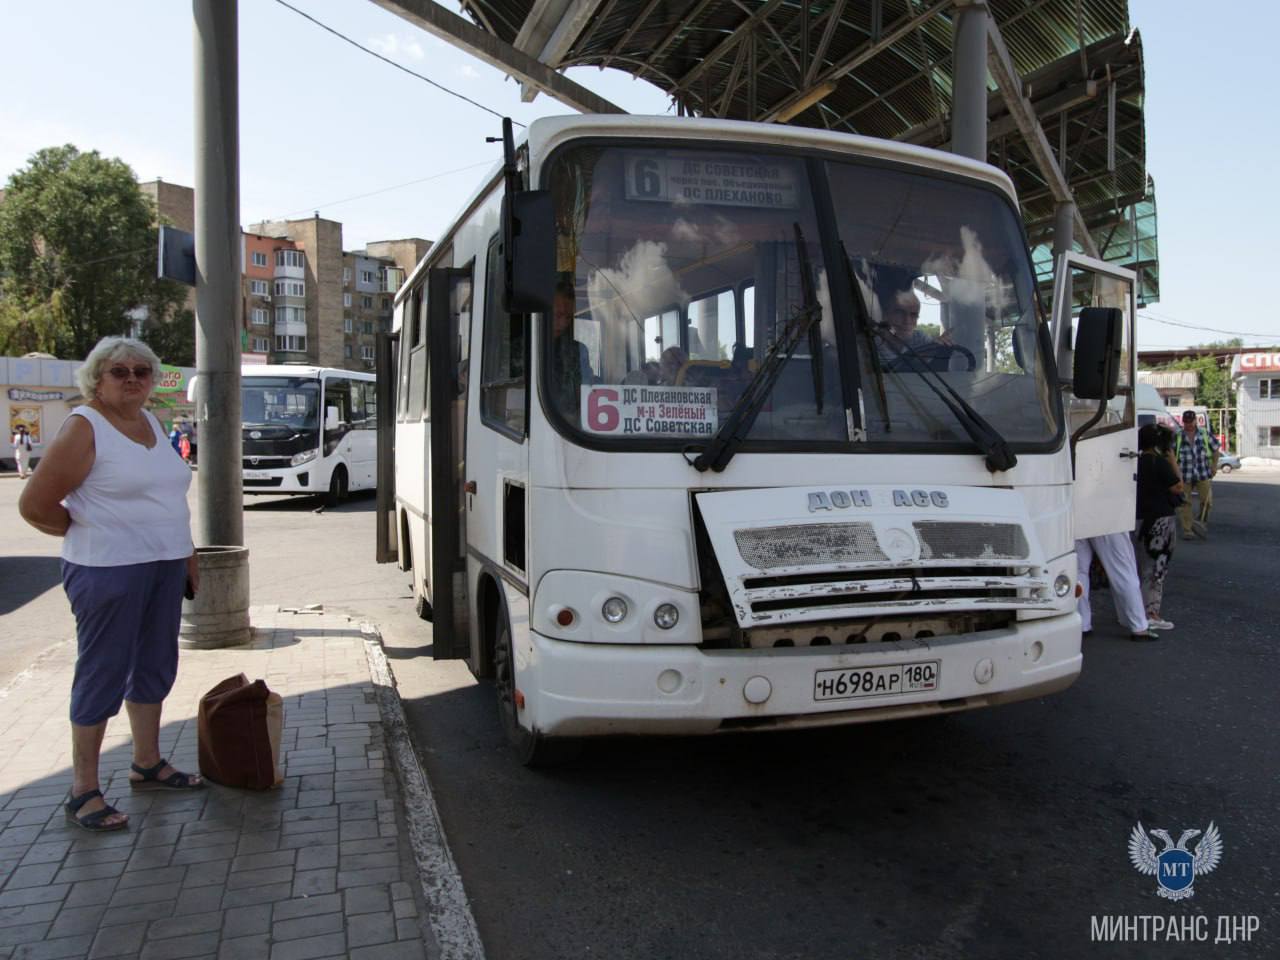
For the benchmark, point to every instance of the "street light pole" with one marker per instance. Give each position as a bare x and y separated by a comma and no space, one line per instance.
217,245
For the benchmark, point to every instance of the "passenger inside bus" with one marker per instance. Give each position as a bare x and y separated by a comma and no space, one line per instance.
570,362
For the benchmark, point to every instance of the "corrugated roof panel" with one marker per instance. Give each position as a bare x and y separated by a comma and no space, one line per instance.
903,91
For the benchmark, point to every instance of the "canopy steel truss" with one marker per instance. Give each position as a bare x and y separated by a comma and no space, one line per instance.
1064,90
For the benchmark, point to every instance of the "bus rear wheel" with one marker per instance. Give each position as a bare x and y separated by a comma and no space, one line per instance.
337,487
532,748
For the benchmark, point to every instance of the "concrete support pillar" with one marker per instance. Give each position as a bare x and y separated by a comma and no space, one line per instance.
218,307
969,95
1064,218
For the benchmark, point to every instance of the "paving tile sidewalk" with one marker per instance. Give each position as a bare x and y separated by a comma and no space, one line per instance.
319,867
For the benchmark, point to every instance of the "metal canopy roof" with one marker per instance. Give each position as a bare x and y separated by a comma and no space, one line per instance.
883,68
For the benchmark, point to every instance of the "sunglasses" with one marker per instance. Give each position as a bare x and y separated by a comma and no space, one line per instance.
122,373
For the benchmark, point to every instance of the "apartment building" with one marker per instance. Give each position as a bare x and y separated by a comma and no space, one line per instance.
306,299
327,305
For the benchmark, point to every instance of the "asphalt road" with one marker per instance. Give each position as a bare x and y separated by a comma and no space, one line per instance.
998,833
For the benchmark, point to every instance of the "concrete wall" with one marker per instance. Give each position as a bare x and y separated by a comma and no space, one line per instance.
322,241
405,254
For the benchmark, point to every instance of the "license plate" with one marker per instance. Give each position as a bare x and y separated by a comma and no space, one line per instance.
257,475
881,681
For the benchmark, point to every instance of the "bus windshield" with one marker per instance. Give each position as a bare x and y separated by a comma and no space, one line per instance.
285,402
679,269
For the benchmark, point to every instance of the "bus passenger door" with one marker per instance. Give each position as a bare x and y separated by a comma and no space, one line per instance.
497,454
387,549
1104,494
448,353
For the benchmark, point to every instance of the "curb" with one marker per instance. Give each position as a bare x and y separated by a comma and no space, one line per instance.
448,912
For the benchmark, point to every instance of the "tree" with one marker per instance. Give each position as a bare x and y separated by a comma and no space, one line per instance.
173,340
29,326
1214,388
77,253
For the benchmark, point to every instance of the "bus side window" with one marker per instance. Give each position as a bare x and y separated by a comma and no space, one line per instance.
413,358
503,383
370,405
358,414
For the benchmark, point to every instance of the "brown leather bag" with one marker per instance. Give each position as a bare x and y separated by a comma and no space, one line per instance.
234,733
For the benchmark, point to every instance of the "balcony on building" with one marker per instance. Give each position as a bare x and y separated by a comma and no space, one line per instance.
291,263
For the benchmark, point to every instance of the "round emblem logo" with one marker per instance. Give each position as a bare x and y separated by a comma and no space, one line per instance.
898,544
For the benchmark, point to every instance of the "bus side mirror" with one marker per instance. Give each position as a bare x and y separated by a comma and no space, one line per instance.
1096,371
528,221
331,421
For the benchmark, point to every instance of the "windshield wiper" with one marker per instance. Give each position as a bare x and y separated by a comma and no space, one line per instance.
988,439
721,448
864,323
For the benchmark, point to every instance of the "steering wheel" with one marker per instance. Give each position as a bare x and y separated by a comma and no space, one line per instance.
946,350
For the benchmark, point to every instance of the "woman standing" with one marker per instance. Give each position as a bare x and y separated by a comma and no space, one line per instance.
1159,491
112,487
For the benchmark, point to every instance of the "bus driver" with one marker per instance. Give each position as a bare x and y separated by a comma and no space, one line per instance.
570,363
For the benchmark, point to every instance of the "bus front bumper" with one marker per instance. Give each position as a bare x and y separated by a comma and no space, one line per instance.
282,481
592,689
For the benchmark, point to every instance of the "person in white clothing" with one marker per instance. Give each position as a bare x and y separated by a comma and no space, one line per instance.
21,449
113,488
1115,552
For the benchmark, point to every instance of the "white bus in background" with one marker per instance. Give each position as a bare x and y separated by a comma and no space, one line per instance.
307,430
663,463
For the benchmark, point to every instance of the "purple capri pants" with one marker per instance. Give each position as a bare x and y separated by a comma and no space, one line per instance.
127,621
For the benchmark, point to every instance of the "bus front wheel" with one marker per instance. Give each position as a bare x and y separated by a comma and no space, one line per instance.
337,486
533,749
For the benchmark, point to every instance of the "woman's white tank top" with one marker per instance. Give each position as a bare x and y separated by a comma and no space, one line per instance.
132,507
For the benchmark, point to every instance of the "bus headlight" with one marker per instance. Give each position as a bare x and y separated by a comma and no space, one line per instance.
666,616
298,459
1062,585
614,610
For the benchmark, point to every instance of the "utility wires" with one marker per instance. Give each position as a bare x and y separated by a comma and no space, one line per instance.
374,53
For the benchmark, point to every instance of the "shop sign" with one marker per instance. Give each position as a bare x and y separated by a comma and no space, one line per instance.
40,396
170,380
1259,362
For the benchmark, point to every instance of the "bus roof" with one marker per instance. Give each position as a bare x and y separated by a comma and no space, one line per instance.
248,370
549,132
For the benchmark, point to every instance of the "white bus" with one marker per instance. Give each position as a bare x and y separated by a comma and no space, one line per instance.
671,454
307,430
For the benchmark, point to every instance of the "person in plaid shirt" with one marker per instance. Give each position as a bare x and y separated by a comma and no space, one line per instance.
1197,452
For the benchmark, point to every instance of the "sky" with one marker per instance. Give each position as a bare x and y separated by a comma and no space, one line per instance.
325,127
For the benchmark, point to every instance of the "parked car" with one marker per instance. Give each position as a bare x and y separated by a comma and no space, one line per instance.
1228,462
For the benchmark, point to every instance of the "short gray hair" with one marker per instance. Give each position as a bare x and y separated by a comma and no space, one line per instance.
108,349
